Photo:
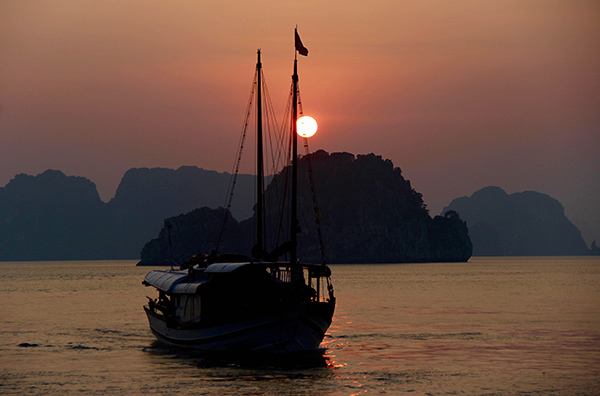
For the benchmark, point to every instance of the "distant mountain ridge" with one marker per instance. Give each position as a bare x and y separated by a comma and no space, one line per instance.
52,216
528,223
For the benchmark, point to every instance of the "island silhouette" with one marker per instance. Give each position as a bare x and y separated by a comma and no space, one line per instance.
526,223
370,214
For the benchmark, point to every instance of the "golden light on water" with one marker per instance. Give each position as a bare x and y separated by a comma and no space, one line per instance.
307,126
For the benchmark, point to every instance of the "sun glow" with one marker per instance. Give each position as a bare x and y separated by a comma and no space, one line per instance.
307,126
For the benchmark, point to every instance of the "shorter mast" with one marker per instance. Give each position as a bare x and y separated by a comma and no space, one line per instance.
260,243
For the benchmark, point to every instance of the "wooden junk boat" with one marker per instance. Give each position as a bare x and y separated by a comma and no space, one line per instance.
253,305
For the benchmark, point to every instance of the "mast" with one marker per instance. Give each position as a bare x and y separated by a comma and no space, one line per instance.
294,209
295,225
260,243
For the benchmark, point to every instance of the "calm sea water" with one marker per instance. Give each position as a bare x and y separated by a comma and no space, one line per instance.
492,326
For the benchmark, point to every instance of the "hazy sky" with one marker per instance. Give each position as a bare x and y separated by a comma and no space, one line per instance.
459,94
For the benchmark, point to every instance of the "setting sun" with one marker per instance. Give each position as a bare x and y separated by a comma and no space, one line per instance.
307,126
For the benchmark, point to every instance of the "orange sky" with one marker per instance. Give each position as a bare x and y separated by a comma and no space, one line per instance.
460,94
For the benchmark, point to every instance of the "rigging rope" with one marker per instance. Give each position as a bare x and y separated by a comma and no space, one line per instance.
318,215
283,160
311,180
236,165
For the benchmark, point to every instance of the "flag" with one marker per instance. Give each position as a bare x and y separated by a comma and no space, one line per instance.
302,50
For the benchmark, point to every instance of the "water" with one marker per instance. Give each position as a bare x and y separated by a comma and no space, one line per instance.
493,326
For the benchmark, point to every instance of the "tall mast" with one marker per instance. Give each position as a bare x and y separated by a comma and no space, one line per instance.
259,160
294,214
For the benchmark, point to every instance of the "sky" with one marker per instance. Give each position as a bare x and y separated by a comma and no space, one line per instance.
459,94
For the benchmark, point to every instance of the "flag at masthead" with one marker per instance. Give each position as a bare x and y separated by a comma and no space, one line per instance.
302,50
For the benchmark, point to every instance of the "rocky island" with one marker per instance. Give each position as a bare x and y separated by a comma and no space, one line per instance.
368,213
526,223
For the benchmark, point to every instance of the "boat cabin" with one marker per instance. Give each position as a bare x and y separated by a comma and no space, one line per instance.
225,291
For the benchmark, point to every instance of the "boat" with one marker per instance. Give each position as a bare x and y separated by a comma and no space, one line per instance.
231,303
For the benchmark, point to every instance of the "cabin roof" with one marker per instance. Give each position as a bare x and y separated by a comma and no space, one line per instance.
225,267
171,282
178,282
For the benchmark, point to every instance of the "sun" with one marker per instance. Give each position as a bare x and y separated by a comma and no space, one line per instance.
307,126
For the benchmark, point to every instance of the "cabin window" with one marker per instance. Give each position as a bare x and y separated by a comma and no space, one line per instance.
320,284
187,308
180,303
191,310
280,275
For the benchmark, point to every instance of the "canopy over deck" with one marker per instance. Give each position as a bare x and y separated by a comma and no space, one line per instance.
172,282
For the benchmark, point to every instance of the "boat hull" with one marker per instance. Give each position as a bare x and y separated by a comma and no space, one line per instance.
298,330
